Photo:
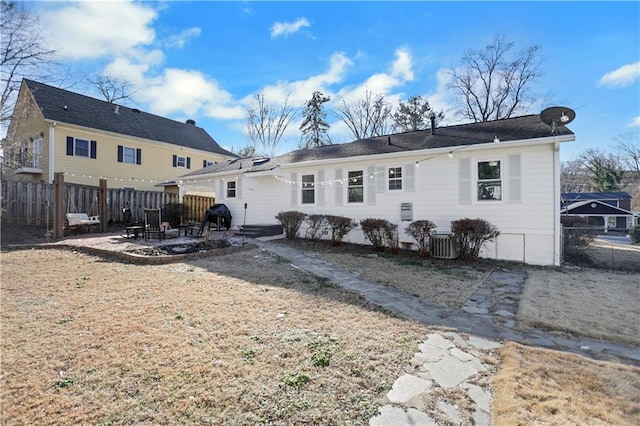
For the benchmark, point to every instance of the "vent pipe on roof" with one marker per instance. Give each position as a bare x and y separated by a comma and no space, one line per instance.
117,109
190,121
388,140
432,117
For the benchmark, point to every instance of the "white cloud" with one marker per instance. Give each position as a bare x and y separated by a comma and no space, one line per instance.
180,40
287,28
399,73
188,92
87,30
635,122
623,76
133,67
442,99
298,92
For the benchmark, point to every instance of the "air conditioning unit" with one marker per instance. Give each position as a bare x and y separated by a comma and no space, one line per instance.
442,247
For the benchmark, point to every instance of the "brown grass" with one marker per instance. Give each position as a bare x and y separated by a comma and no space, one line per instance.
442,282
592,303
239,339
544,387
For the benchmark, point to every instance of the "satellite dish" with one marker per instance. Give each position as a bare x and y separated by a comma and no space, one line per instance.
557,116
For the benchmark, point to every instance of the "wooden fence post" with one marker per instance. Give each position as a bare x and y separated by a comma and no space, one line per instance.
102,205
58,206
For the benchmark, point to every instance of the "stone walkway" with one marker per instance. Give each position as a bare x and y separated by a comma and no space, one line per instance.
448,362
451,361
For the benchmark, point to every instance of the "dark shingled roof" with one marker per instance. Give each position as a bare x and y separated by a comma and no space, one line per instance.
454,137
68,107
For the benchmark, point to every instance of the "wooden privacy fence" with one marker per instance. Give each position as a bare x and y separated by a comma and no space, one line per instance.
27,203
197,205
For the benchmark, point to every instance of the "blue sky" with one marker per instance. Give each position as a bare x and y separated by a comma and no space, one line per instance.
207,60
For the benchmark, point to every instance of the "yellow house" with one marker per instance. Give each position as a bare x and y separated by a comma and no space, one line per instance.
55,130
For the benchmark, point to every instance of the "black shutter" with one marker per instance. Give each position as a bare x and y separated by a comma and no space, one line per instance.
94,146
69,145
204,163
175,161
120,153
138,156
188,162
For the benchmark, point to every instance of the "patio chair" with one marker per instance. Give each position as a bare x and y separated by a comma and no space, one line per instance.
153,224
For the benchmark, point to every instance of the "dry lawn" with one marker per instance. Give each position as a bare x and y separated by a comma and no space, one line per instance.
239,339
543,387
247,339
444,282
592,303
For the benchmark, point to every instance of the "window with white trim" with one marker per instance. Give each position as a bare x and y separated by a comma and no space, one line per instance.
129,155
308,189
181,161
355,187
80,147
231,189
395,178
489,180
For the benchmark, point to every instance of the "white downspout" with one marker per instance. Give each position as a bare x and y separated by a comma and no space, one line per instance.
556,204
52,145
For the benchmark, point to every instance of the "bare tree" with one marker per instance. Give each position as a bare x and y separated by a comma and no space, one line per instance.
628,145
495,82
574,177
367,117
23,53
247,151
415,114
112,89
266,123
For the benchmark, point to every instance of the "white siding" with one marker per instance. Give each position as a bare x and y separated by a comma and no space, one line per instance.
526,226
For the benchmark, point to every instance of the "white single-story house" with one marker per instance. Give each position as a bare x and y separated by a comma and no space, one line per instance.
506,172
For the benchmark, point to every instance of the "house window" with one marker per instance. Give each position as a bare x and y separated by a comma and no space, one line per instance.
308,189
207,163
81,147
489,180
355,187
129,155
231,189
37,153
395,178
181,161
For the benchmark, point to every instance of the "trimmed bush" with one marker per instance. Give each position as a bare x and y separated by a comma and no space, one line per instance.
392,238
635,235
381,233
374,231
339,226
291,222
421,231
469,235
318,226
